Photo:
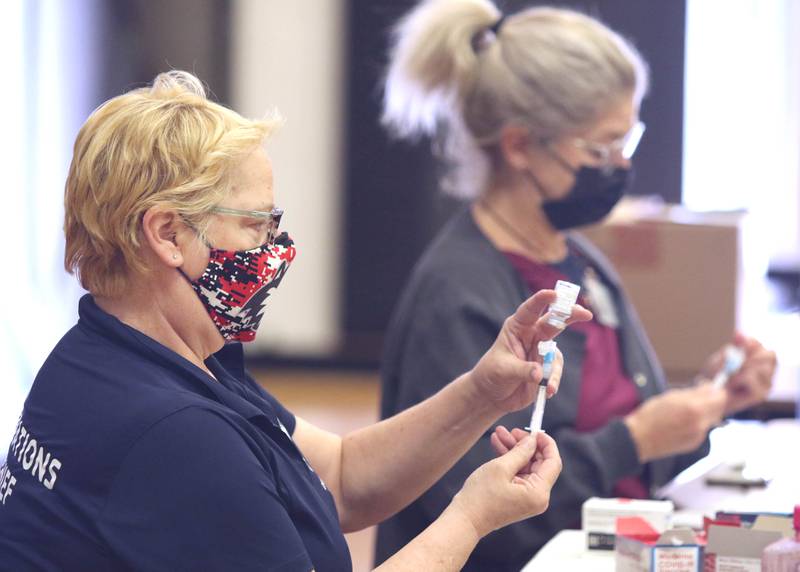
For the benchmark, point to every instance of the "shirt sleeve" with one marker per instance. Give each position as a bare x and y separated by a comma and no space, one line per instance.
191,495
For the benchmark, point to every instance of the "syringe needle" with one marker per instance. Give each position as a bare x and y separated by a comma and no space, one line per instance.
547,350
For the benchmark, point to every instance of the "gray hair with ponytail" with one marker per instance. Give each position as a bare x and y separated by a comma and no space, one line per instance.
452,76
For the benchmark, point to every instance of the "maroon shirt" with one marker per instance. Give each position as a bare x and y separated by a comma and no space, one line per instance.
606,391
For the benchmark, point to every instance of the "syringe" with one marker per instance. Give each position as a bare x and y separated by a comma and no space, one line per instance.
547,350
734,358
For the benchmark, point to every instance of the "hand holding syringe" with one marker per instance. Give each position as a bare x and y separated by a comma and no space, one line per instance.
560,314
744,369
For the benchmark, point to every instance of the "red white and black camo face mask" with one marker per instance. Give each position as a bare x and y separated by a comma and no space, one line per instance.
236,284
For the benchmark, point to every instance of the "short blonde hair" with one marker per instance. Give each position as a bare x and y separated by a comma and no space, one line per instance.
166,145
451,76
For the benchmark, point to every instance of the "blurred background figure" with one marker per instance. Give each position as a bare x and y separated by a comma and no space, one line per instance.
537,115
722,133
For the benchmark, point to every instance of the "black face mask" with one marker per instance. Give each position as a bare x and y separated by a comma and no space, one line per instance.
591,198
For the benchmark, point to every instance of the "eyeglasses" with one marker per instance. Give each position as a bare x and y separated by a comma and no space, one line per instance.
269,219
624,147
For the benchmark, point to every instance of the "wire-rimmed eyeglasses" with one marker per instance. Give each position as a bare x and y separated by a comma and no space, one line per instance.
606,153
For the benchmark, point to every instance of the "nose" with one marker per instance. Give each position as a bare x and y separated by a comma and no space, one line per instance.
618,160
622,162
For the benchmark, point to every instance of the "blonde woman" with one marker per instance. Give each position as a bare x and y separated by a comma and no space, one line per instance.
537,114
144,444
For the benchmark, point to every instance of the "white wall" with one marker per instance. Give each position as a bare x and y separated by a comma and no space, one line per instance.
741,125
288,55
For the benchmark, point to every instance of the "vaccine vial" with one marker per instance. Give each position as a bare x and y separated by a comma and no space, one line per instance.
561,309
784,555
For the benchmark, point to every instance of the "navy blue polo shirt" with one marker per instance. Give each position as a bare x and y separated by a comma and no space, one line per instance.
129,457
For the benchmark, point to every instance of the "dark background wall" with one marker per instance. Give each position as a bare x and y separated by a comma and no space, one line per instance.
393,207
143,38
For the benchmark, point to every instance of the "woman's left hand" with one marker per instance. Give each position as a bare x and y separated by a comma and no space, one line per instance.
751,384
509,373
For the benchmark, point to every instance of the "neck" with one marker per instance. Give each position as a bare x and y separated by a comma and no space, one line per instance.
169,316
512,219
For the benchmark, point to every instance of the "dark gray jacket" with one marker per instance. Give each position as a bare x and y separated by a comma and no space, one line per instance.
452,310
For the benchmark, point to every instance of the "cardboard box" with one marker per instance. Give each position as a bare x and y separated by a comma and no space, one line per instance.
729,543
683,273
599,518
640,548
737,549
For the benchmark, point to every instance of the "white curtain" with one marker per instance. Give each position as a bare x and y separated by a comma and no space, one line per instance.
49,89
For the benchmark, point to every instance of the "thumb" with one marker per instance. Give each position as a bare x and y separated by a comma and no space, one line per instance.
527,371
739,339
518,457
714,363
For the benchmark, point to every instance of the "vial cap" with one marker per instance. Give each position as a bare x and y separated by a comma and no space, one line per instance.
546,347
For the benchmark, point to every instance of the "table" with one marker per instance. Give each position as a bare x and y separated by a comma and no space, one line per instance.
771,448
567,552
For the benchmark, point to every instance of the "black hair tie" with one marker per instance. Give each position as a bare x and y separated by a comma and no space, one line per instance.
486,36
495,28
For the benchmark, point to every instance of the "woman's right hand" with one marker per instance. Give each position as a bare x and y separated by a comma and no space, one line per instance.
512,487
676,421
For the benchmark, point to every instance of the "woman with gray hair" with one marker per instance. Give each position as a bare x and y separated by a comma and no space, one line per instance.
537,116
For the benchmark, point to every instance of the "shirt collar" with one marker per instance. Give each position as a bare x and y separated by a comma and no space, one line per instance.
227,364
